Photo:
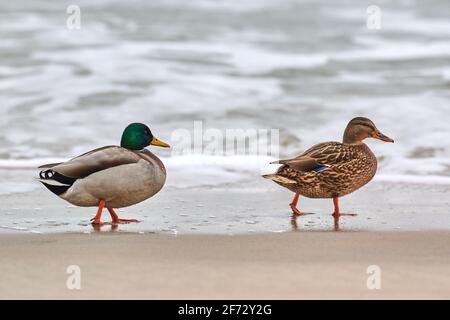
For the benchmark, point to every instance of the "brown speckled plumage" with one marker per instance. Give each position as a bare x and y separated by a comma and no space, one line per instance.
349,167
332,169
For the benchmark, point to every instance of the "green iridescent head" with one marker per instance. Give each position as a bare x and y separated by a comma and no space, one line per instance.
138,136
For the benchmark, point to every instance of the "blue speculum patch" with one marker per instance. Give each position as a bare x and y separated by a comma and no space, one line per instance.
320,169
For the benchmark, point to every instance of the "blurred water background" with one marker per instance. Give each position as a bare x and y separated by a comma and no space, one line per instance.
305,67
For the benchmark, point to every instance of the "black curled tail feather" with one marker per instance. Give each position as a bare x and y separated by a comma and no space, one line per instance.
53,175
56,182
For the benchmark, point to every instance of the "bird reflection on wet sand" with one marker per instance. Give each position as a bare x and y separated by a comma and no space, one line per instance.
107,227
296,226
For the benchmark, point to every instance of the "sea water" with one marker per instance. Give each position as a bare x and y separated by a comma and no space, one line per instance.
304,68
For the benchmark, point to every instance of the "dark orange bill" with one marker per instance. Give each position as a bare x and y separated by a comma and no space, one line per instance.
378,135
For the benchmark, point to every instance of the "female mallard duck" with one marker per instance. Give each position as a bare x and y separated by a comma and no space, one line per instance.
332,169
112,176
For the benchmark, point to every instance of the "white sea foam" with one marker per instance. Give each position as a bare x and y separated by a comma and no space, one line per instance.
395,50
305,68
199,170
27,163
434,180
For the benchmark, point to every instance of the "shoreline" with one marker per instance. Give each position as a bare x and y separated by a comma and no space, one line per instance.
246,207
311,265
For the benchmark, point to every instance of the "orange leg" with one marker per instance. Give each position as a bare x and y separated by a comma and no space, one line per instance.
337,213
96,220
115,218
293,206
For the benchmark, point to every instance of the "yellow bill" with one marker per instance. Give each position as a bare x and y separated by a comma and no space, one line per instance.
159,143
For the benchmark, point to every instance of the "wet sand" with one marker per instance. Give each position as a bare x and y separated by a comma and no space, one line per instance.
248,206
306,265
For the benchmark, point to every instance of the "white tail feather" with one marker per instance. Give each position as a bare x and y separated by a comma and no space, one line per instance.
53,183
280,179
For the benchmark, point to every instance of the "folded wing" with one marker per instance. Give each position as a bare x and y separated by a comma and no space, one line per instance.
320,157
93,161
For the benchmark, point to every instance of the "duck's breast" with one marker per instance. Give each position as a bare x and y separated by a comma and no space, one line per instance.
359,172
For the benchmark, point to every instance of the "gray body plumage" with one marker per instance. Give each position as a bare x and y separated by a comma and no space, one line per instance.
119,176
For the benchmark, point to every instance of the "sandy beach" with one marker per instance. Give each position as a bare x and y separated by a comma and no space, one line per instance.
276,266
232,86
231,243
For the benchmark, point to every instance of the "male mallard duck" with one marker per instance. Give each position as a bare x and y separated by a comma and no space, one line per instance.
112,176
332,169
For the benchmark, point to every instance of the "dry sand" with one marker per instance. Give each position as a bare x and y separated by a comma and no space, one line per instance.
295,265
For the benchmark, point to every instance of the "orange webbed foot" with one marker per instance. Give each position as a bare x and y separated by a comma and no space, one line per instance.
116,220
